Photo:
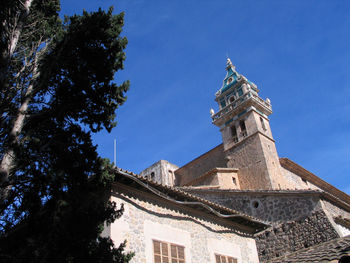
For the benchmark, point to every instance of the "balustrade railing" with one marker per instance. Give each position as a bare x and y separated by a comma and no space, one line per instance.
238,102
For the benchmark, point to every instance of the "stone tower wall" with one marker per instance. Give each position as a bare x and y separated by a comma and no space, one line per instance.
254,154
248,157
274,168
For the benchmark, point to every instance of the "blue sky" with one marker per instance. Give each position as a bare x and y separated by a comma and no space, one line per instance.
297,52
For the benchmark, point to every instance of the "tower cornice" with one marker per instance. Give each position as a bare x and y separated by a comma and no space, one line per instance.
239,105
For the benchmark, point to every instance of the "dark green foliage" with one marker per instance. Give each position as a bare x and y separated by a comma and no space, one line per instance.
58,187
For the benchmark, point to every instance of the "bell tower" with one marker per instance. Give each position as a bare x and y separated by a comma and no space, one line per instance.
246,134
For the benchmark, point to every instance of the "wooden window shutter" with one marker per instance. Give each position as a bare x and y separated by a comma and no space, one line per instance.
168,253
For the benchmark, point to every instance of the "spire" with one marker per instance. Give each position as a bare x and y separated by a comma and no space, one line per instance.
229,64
237,93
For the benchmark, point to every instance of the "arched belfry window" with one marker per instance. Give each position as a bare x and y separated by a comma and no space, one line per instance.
234,133
243,128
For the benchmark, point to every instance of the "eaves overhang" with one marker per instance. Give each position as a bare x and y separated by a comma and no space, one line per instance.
250,225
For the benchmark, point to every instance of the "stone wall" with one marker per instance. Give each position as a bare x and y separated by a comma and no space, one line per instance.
248,157
201,165
292,236
274,208
272,162
148,218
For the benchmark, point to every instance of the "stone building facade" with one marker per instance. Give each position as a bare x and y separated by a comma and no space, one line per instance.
245,173
201,229
161,172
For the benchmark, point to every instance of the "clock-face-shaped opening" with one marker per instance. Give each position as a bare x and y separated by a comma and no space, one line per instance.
229,80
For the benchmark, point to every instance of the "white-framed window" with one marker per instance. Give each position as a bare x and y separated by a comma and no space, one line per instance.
165,252
224,259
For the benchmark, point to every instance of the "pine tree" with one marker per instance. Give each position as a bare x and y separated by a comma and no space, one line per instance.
57,87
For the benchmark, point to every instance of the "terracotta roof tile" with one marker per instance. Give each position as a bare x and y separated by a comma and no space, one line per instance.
257,223
324,252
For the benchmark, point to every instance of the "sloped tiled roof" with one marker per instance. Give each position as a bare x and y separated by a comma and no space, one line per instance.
285,192
173,193
324,252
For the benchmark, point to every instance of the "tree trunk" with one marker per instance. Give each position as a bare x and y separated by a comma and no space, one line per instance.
14,36
18,29
9,154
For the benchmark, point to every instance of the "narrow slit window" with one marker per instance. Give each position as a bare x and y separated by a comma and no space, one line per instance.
262,124
234,181
234,133
243,128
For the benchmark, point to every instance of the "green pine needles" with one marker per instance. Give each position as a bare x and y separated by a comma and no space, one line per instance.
57,81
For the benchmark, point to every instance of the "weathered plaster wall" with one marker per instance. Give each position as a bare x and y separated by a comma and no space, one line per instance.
344,231
228,179
201,165
335,210
295,182
162,171
220,178
146,219
211,180
273,208
294,235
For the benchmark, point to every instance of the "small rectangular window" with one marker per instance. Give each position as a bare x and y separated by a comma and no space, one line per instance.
234,181
262,124
224,259
168,253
